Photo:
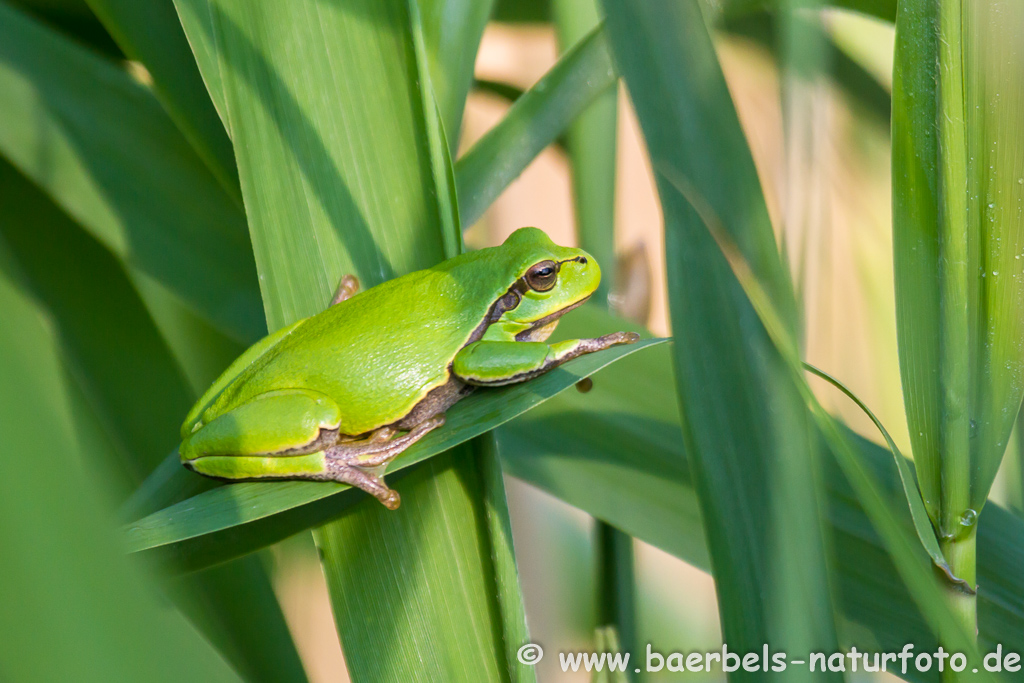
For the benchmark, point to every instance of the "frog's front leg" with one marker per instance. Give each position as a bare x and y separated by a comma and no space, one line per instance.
497,363
348,286
361,463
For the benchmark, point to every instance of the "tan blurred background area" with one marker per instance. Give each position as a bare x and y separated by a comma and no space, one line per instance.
826,182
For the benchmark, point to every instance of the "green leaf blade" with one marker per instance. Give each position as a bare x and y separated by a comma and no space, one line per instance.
305,161
438,546
60,561
83,131
995,143
227,507
755,470
452,32
957,234
96,313
150,33
534,122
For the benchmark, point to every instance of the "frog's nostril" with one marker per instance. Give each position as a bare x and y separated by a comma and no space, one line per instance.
583,260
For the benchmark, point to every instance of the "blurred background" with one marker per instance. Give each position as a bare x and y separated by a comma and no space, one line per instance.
825,170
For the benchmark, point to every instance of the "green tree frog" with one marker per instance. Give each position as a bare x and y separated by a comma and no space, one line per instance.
337,396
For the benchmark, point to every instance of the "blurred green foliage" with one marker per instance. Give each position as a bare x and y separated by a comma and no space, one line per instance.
179,176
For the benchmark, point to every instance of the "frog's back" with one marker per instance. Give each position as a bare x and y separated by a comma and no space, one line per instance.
380,352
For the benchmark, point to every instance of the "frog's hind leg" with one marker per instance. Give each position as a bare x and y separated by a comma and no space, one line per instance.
361,463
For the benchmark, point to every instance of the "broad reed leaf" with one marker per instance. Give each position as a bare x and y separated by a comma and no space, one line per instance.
338,176
60,560
920,580
958,231
303,150
477,467
452,31
442,173
930,258
86,133
447,495
150,33
96,314
755,469
993,68
201,350
178,530
534,122
460,637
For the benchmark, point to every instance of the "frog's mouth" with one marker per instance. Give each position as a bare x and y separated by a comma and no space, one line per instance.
541,329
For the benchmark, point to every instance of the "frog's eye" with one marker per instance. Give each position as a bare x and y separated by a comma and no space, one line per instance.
542,276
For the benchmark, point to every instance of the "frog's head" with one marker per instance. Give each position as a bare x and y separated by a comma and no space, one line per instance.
549,281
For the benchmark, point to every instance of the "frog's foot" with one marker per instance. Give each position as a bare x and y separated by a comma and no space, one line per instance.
360,478
585,346
361,463
347,288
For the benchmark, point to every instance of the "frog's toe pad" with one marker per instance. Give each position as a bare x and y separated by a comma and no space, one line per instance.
616,338
391,500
